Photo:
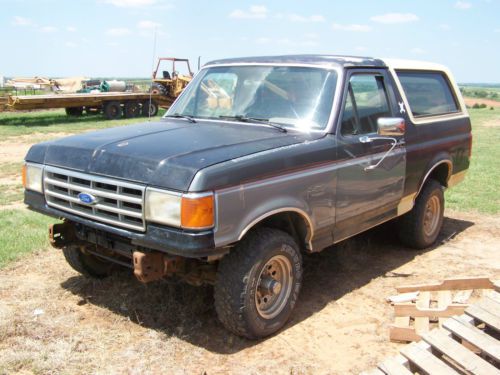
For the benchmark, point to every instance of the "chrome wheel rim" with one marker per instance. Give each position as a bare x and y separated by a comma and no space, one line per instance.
274,286
431,215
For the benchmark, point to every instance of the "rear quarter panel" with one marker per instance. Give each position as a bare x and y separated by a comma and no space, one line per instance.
434,139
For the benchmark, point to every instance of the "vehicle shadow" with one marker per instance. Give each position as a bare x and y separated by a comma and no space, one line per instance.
187,312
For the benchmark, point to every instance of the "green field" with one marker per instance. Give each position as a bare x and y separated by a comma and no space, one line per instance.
481,92
14,124
479,191
22,231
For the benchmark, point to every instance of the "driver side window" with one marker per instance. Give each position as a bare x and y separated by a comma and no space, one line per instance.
366,102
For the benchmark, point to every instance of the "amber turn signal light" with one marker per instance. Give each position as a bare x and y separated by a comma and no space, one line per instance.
197,213
23,173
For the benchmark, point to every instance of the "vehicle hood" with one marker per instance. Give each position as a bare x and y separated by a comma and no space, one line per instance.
166,154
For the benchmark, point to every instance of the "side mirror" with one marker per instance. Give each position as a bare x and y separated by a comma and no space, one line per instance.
391,126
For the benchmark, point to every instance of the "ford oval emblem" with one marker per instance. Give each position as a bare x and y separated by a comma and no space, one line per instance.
87,198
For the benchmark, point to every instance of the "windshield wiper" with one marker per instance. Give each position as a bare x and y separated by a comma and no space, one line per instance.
178,115
256,120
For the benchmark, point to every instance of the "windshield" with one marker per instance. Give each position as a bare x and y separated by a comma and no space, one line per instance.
297,97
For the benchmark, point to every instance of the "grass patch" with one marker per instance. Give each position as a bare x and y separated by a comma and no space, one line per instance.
479,191
10,194
12,190
23,123
12,168
22,232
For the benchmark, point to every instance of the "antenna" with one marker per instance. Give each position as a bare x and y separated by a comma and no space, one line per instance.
152,69
199,62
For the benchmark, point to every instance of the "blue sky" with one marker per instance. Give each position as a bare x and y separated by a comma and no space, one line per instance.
115,37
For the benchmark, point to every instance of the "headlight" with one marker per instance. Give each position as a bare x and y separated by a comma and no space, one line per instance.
163,207
190,211
32,177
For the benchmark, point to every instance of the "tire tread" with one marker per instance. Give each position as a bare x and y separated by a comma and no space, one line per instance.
411,224
231,279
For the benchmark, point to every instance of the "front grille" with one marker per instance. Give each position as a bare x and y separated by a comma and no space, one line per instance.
117,203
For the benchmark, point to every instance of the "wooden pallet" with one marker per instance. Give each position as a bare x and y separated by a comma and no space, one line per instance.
466,344
433,304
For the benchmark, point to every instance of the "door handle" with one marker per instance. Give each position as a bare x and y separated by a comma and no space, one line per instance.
394,143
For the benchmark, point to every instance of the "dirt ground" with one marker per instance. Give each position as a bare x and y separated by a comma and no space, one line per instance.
14,150
53,320
488,102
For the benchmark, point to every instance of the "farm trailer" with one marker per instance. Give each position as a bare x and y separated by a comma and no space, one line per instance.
113,104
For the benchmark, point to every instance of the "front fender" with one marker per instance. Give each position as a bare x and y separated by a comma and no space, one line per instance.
239,209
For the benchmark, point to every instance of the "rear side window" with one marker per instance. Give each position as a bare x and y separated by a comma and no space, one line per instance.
428,93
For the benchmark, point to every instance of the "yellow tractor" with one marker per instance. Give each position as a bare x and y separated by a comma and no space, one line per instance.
171,83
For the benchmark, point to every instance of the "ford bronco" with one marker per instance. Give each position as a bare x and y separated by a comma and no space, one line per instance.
258,161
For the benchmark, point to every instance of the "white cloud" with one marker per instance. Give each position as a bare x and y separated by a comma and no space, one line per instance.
445,26
21,21
311,35
395,18
71,29
255,12
118,31
284,41
418,51
351,27
497,30
299,18
463,5
150,33
263,40
360,48
131,3
48,29
70,44
147,25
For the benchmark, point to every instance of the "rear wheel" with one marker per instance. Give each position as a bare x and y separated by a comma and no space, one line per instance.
131,109
149,108
420,227
74,111
86,264
258,283
112,110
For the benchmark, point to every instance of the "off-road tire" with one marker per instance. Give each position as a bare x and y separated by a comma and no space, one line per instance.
86,264
237,277
411,225
112,110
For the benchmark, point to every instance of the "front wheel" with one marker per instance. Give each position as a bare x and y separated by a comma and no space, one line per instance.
420,227
258,283
85,263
